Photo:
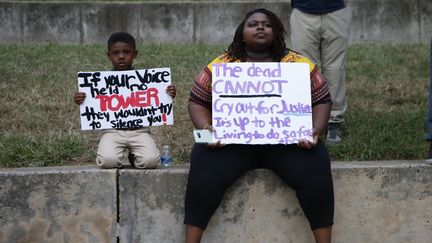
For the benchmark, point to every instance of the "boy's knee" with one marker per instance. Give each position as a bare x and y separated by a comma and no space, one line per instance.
148,162
108,162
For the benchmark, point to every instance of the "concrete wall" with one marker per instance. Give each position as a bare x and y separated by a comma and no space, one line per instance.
394,21
378,202
58,205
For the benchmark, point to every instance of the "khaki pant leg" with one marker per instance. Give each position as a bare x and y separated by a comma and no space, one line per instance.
324,40
305,34
144,149
333,57
111,150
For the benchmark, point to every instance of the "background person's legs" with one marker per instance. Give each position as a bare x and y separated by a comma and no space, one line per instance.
305,34
429,114
324,40
334,44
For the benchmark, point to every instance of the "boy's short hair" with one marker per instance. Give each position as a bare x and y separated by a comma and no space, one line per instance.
121,37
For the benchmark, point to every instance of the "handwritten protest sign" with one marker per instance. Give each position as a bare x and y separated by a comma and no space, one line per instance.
125,99
261,103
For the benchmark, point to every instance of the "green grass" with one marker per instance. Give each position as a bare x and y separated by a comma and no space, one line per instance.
39,123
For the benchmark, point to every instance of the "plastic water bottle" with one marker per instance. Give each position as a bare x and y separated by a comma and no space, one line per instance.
166,159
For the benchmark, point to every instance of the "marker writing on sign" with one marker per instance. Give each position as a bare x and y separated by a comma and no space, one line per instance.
223,70
91,115
136,99
245,89
141,111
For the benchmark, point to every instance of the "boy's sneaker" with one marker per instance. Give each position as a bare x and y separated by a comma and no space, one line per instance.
333,133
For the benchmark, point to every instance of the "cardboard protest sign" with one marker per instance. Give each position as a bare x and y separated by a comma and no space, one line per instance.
261,103
125,99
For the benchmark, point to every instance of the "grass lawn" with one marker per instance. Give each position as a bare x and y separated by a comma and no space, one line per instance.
39,123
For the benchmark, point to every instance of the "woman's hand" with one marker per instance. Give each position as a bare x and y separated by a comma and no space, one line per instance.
306,144
320,117
216,144
201,118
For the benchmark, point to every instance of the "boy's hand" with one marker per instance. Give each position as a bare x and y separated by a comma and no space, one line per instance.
79,98
171,90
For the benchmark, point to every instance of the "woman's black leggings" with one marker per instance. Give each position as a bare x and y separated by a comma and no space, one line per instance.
213,170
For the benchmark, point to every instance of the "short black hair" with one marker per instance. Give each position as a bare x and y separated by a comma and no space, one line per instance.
236,49
121,37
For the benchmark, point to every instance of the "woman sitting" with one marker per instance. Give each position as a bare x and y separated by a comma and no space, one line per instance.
304,166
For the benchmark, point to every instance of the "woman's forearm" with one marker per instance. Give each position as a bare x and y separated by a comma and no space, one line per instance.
320,116
200,115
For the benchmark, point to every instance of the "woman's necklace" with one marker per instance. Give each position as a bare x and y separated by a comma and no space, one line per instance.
257,56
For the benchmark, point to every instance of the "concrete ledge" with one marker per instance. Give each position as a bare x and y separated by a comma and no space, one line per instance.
385,21
383,202
151,205
388,201
64,204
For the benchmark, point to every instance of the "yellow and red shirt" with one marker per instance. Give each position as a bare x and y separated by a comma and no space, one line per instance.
201,91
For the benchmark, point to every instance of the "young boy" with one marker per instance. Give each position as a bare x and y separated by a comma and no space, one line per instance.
143,152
